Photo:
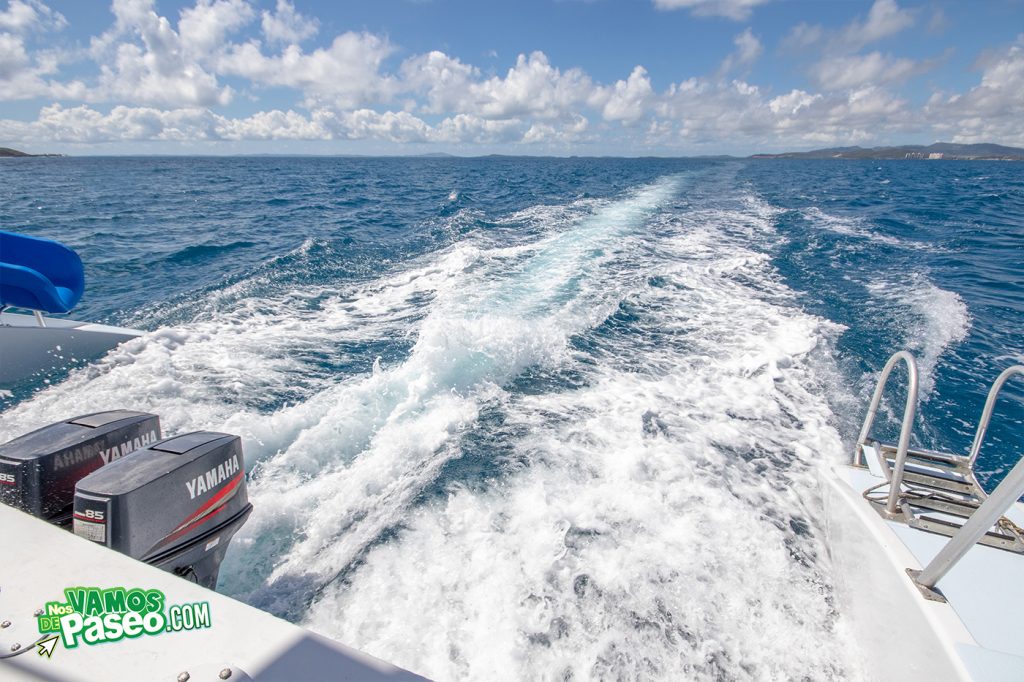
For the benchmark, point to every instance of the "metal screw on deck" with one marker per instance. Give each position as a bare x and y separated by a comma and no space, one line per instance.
183,677
225,673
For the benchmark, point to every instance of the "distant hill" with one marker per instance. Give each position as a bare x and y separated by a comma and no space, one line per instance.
7,151
939,150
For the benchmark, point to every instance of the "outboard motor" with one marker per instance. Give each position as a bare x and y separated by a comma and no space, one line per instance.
38,471
175,504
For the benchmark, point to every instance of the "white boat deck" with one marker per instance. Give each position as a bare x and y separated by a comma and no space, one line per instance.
985,592
39,560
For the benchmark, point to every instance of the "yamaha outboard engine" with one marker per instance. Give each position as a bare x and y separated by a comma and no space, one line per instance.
38,471
174,504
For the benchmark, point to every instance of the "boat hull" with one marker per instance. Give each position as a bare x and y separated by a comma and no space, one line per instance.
29,350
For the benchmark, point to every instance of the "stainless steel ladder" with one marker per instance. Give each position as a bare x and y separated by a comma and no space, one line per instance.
938,491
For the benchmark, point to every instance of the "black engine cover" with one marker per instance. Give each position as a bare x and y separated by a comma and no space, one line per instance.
175,504
38,471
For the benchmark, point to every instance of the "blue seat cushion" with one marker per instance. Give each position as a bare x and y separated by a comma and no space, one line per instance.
39,274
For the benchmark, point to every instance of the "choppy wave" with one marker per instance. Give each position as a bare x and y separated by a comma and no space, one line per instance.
859,228
928,318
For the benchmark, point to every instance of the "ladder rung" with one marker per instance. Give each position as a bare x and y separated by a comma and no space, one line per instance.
962,509
991,539
938,483
932,455
929,467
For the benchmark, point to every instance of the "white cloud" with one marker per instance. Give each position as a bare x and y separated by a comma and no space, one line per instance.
792,102
531,88
443,79
203,27
856,71
275,125
285,25
165,69
991,111
24,75
469,129
142,75
731,9
884,19
345,75
703,110
870,106
706,112
400,126
26,15
937,23
84,124
13,57
748,49
547,133
803,35
22,72
627,100
28,84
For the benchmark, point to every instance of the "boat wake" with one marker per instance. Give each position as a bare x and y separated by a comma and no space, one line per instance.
591,453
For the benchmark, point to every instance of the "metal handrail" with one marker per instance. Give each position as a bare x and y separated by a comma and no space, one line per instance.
1005,494
990,404
896,478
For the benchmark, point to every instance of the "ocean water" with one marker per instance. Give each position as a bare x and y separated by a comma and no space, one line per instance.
512,418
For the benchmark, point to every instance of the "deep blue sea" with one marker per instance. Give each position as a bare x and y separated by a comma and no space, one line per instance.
516,418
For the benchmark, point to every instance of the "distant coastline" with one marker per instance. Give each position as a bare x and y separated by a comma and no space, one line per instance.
8,152
946,151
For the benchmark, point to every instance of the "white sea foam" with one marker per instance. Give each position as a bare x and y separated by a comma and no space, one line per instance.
653,531
513,309
656,519
858,227
664,526
930,319
212,372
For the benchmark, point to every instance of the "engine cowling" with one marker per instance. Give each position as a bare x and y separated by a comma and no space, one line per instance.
39,470
175,504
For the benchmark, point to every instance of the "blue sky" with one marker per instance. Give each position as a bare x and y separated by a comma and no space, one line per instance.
625,77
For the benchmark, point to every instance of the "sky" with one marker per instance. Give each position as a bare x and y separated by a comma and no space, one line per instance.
536,77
